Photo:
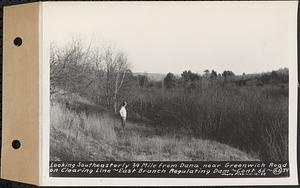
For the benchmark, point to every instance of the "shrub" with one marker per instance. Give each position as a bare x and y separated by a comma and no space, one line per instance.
254,119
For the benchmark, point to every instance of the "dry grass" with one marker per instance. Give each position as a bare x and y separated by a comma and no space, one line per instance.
77,136
100,137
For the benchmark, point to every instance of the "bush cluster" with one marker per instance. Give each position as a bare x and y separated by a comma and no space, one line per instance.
252,118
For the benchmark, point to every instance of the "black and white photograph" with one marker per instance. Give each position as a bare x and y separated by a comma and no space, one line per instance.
170,81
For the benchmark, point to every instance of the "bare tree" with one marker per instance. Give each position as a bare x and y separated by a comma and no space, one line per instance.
122,66
69,67
97,74
116,66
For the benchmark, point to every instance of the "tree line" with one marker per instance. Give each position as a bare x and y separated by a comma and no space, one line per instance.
103,75
189,79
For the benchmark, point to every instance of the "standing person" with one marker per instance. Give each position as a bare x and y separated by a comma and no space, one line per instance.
123,113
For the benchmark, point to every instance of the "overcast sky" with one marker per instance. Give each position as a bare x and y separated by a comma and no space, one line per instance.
161,37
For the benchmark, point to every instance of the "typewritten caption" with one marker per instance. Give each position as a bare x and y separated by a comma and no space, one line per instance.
168,169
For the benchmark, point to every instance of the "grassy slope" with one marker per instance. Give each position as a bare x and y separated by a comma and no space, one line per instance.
78,136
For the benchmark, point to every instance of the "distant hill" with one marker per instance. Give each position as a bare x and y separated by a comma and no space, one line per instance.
152,76
161,76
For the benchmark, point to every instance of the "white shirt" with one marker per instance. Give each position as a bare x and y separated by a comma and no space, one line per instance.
123,112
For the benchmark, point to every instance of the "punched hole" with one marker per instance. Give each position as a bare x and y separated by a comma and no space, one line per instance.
16,144
18,41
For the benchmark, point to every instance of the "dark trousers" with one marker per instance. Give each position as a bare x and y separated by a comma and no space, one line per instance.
123,121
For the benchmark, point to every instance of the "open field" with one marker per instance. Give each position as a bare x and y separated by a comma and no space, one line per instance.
100,137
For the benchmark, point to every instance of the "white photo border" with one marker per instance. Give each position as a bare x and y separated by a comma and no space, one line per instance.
45,180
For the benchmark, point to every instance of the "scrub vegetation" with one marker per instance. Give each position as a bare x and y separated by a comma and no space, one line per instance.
187,116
